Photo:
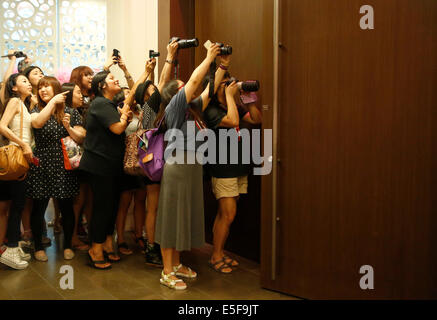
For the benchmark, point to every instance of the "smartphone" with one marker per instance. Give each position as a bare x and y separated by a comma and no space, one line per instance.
115,53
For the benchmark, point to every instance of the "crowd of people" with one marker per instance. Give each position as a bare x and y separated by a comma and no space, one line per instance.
37,112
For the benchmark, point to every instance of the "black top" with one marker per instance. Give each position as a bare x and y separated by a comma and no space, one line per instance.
213,116
104,150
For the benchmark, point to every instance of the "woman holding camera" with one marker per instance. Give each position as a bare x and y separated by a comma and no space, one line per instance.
52,121
15,125
103,161
180,220
149,97
228,180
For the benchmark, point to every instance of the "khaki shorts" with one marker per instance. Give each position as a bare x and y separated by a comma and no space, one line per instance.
229,187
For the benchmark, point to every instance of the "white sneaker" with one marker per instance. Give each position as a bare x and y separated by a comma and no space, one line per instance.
24,256
11,257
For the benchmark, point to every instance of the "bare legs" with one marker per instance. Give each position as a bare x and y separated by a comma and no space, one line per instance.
152,208
79,202
225,216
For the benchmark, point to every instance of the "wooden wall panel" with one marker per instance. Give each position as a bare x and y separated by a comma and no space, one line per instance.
357,113
242,25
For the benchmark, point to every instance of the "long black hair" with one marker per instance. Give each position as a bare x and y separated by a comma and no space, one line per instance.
98,83
9,93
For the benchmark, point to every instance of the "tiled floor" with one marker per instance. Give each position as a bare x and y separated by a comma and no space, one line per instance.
130,279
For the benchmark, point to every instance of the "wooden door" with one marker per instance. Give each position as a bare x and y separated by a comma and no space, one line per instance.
357,149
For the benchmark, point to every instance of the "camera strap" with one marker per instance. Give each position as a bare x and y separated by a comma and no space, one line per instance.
212,69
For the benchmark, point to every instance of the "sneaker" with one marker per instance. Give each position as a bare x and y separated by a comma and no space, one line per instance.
11,257
24,256
153,255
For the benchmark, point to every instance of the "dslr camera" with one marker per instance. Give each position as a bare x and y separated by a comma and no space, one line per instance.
185,44
224,50
247,86
153,54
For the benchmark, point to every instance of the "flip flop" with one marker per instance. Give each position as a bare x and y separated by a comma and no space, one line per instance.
107,254
124,246
94,263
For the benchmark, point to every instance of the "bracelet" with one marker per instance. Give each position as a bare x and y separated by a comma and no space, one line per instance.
223,67
169,61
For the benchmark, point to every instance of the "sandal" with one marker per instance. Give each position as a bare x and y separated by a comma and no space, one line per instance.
231,262
108,254
215,266
190,275
124,249
94,263
141,245
166,281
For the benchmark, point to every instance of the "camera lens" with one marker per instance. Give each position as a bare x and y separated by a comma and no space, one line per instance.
250,86
225,51
184,44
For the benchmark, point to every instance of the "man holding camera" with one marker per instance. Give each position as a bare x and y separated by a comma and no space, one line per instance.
228,180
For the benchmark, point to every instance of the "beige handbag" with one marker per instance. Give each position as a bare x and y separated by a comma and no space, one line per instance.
13,164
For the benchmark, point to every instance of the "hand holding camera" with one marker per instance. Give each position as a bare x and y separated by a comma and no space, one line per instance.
225,61
172,49
150,65
232,89
213,52
110,62
16,54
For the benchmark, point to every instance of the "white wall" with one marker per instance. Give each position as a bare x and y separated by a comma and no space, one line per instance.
132,29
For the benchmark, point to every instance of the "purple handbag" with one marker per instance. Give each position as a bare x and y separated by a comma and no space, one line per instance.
151,153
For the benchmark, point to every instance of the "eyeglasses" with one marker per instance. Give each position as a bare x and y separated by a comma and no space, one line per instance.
181,87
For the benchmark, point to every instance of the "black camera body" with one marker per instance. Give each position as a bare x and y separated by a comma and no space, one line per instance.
153,54
247,86
20,54
185,44
224,50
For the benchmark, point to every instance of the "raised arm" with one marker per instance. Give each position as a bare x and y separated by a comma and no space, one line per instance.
40,119
219,75
150,66
8,73
200,72
11,110
129,79
172,49
232,118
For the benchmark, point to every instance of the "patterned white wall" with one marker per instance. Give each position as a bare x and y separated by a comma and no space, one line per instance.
55,33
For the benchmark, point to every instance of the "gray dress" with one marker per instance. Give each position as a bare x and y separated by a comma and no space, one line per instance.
180,219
